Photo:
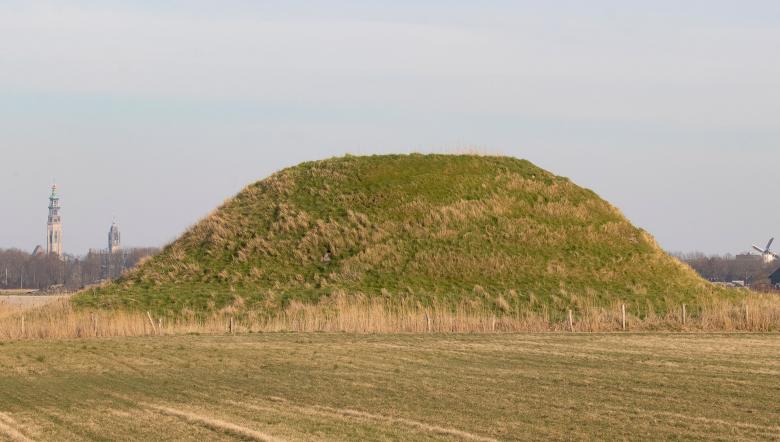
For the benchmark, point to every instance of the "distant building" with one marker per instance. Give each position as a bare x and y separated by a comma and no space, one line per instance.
38,251
775,278
748,257
114,239
54,225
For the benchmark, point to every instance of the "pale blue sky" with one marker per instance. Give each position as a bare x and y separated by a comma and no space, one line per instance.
154,112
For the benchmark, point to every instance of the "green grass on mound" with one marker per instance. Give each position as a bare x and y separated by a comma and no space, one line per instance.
432,228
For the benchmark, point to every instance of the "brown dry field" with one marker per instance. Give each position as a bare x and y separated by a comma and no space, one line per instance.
341,386
15,292
26,300
11,305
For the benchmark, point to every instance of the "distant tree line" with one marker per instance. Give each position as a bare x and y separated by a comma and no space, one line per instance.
22,270
727,268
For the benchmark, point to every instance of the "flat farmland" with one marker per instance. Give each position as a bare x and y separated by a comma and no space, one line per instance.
484,387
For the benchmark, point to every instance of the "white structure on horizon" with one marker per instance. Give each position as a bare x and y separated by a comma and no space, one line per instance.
114,239
766,252
54,225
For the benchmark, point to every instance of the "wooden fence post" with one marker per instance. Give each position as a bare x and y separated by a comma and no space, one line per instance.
623,316
22,326
571,321
230,326
428,321
747,318
683,314
151,321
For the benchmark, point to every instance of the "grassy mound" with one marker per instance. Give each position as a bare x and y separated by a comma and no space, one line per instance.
432,228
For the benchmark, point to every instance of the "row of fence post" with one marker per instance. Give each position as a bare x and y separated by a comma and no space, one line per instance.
231,323
624,323
157,326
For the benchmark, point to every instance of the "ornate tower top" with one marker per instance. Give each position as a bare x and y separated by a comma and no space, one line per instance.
54,199
114,238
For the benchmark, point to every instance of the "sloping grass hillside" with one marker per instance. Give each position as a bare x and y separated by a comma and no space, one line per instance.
429,228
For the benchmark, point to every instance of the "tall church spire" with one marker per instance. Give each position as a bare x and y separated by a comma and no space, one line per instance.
54,225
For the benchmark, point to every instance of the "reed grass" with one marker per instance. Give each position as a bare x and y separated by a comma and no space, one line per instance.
58,320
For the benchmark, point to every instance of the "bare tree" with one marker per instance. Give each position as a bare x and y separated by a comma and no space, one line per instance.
19,269
727,268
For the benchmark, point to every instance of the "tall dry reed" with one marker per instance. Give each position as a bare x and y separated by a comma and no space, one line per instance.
759,313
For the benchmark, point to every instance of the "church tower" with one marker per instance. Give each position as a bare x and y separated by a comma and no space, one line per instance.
54,226
114,239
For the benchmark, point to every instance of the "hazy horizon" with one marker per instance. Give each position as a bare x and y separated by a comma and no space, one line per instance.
154,114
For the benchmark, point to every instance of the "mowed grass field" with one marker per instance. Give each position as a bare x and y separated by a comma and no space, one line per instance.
295,386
